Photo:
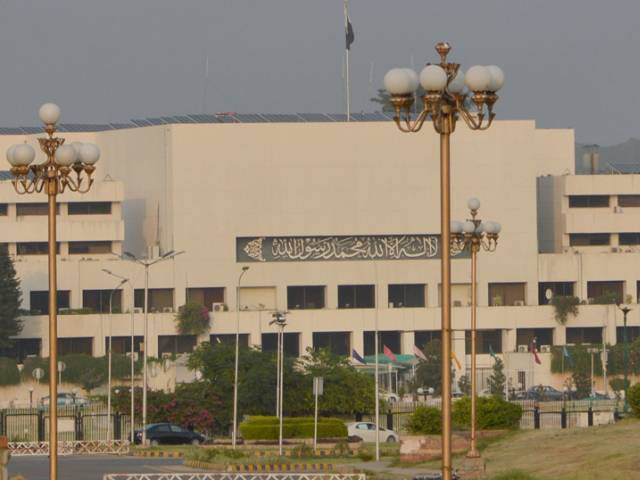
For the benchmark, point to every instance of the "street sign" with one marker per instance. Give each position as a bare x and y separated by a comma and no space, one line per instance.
61,366
37,373
318,385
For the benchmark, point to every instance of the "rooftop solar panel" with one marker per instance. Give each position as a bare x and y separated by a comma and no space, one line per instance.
374,117
282,117
155,121
203,118
141,123
168,120
183,119
31,130
83,127
121,126
5,175
249,117
314,117
337,117
10,131
227,118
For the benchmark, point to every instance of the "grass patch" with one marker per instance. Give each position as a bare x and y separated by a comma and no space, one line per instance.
513,475
607,452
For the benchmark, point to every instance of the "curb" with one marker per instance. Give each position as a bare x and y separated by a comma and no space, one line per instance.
158,454
264,467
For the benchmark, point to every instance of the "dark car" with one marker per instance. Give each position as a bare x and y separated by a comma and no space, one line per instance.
168,434
544,393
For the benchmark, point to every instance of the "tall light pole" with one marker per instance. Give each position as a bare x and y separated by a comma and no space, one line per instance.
67,167
132,422
122,282
234,433
280,320
444,102
625,311
474,235
146,263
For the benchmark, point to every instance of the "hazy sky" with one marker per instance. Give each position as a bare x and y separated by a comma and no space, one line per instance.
568,63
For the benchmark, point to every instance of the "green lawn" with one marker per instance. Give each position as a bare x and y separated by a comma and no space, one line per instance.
608,452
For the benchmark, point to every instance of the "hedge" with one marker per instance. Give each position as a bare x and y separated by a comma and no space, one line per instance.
634,399
493,413
268,428
425,420
9,373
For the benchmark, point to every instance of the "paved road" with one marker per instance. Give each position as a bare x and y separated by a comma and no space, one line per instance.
91,467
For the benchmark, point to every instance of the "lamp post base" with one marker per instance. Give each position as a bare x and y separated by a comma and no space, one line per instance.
473,454
472,467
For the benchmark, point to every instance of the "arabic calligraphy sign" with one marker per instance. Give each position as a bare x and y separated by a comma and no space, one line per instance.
338,248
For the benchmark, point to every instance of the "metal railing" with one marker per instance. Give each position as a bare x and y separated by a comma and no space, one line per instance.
234,476
75,423
78,447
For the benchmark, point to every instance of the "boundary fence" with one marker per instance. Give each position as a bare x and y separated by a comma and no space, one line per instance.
549,414
75,423
235,476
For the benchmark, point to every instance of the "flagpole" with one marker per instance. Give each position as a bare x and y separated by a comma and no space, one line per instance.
346,51
376,346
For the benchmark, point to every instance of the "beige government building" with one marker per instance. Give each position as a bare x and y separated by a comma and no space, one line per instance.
338,222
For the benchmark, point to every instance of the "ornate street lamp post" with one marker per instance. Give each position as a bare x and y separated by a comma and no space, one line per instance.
474,235
444,102
67,167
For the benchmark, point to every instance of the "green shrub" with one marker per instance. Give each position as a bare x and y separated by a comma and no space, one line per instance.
493,413
303,451
365,455
425,420
341,449
192,319
634,399
268,428
9,373
513,475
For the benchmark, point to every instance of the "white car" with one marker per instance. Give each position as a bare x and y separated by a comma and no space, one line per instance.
366,431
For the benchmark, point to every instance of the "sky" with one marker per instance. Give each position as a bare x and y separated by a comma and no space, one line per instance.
568,63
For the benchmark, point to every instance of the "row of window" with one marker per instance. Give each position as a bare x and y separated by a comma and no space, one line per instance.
602,201
75,248
40,209
313,297
602,239
488,341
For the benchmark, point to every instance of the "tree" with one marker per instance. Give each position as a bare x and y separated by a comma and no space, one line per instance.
192,319
497,380
346,390
429,371
464,384
10,300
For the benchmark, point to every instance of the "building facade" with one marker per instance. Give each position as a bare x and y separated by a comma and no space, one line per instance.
338,223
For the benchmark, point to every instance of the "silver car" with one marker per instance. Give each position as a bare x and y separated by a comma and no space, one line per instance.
366,432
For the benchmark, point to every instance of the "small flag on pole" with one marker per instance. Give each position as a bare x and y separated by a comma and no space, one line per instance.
356,356
455,359
389,354
534,351
492,353
349,37
419,353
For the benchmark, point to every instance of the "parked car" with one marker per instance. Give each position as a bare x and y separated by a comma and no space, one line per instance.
544,392
366,432
65,399
169,434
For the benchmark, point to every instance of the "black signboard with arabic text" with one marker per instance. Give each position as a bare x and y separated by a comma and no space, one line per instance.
340,248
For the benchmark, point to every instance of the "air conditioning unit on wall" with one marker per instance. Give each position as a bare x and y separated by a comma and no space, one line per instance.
219,307
523,348
545,348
